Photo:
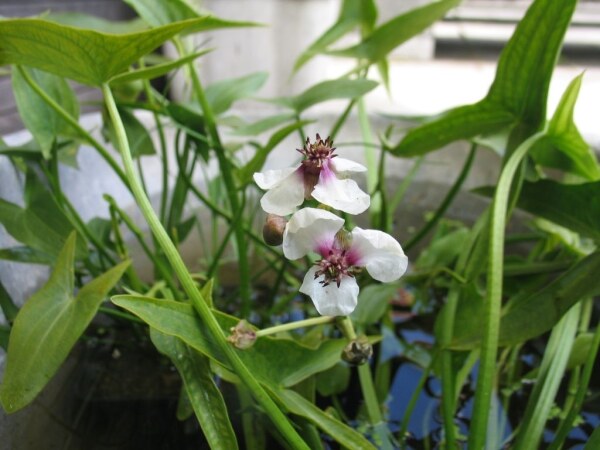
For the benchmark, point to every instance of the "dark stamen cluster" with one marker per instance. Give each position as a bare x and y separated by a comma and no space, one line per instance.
316,154
334,267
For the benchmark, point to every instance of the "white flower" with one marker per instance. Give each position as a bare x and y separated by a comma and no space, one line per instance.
330,283
321,175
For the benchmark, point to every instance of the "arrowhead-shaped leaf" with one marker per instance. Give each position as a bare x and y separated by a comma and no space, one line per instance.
519,90
204,396
274,362
87,56
48,326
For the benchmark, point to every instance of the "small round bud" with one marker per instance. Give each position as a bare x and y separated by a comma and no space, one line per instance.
242,335
358,351
273,229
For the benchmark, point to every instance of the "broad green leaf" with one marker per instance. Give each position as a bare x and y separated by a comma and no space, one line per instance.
530,315
346,436
256,128
352,14
24,254
159,12
519,92
41,120
400,29
82,20
222,94
573,206
258,160
149,73
334,380
373,303
564,148
139,139
327,90
443,251
87,56
458,123
41,225
204,395
48,326
274,362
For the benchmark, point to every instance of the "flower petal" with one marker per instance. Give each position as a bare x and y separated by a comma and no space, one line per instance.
379,253
343,165
266,180
344,195
309,230
283,197
331,300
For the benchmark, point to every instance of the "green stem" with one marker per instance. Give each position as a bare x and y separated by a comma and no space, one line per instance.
295,325
189,286
368,389
492,304
341,120
75,124
225,167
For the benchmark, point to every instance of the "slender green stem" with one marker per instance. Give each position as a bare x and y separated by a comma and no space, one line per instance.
368,389
491,317
401,191
295,325
584,381
370,158
75,124
189,285
341,120
232,194
120,314
445,203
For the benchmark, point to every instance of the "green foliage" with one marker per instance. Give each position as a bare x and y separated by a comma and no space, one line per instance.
41,224
274,362
87,56
204,395
137,134
519,92
222,94
48,326
40,119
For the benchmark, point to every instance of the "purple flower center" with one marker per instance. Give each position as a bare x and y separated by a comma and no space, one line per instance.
316,159
338,261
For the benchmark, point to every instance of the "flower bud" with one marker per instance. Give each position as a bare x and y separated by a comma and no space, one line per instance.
273,229
242,335
358,351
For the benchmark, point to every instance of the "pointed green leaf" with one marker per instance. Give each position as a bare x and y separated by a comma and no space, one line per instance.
222,94
352,14
564,148
159,12
274,362
260,126
346,436
87,56
158,70
24,254
573,206
40,119
520,88
205,397
327,90
532,314
400,29
41,224
48,326
458,123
